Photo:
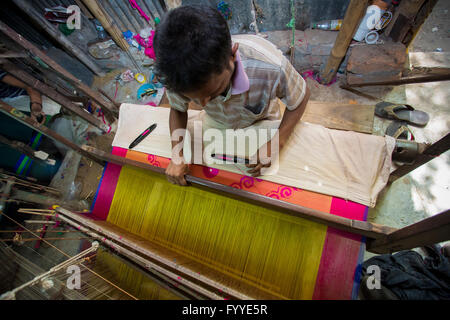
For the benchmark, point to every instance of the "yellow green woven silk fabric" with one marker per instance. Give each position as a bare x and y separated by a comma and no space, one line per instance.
276,252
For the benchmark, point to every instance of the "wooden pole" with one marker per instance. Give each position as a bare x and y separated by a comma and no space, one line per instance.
56,67
404,20
363,228
429,231
28,184
84,9
26,6
107,23
355,11
54,95
23,118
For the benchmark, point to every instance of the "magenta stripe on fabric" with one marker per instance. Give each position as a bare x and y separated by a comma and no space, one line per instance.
340,255
105,193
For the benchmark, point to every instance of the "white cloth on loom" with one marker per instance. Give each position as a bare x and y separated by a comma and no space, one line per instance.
345,164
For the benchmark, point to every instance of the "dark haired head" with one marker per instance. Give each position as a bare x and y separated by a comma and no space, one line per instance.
191,44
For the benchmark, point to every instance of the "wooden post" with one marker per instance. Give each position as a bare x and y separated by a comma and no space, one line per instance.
431,152
56,67
53,94
431,230
355,11
107,23
407,20
26,6
363,228
23,118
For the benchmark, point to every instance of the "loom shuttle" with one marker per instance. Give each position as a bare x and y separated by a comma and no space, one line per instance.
227,158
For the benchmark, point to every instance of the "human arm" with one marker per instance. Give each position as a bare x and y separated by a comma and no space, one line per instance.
177,168
35,96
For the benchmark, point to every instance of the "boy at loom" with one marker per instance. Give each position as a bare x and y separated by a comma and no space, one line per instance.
235,79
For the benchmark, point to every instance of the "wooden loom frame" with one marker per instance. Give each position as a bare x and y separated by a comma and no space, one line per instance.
380,239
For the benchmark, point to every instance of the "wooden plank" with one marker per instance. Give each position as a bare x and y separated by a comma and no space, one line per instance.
431,230
351,117
23,118
333,115
431,152
363,228
54,95
55,66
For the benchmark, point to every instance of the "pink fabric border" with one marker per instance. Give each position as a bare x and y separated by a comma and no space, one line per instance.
107,185
335,279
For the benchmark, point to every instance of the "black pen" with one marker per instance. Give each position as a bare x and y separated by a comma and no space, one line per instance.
142,136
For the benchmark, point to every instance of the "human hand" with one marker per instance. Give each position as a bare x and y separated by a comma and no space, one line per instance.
36,112
175,173
257,162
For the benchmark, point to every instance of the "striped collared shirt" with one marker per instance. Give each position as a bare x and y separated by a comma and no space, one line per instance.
270,75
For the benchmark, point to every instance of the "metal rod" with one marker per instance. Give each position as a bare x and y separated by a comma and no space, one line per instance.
11,295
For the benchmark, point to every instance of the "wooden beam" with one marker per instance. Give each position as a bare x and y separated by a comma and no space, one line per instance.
419,20
85,10
363,228
26,6
22,148
430,152
355,11
405,80
28,121
12,54
403,19
431,230
57,68
54,95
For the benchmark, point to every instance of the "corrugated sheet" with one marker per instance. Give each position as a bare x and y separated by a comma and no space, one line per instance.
120,11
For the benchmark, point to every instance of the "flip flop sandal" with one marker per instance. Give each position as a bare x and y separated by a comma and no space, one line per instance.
402,112
399,130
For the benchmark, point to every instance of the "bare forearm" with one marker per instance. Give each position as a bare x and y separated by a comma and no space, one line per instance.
12,81
291,119
177,120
